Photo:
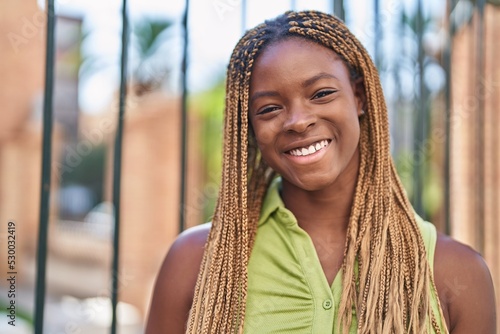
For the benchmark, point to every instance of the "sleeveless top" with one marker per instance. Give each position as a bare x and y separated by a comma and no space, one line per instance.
287,289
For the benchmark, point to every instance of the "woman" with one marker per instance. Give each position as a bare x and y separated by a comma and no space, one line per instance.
332,245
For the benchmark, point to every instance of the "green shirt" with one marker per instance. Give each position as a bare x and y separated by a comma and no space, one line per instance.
287,288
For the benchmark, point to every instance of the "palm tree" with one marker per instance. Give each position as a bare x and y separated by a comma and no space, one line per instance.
149,40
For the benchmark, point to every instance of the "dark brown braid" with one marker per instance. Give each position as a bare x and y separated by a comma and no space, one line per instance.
391,292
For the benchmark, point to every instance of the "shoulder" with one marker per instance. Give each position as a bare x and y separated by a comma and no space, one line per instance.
465,287
193,237
176,281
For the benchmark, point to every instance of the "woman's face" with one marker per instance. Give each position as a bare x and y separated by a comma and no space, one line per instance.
305,111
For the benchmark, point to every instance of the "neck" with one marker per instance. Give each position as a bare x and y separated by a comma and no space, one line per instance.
322,211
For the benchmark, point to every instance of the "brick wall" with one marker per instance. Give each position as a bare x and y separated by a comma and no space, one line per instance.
22,27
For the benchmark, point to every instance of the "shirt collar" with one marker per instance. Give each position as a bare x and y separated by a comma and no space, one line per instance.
272,201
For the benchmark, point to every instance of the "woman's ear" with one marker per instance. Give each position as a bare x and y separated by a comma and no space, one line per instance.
358,87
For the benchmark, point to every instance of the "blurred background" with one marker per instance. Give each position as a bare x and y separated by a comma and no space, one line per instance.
436,61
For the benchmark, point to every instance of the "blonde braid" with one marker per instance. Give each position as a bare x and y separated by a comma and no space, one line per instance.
391,291
220,292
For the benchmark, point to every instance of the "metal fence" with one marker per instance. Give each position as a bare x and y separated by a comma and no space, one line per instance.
337,6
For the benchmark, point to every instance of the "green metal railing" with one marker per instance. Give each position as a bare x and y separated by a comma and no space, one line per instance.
46,169
450,4
337,6
117,161
479,131
184,119
338,9
421,117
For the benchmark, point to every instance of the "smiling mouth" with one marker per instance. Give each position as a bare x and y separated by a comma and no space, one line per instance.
311,149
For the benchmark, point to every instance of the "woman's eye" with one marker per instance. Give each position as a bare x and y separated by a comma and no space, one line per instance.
267,110
323,93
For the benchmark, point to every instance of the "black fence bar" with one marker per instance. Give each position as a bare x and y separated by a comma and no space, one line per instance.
243,16
338,9
117,162
46,169
420,119
480,77
378,36
184,119
448,105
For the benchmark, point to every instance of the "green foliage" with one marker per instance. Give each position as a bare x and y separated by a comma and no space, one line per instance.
148,34
149,58
152,69
89,172
432,197
404,166
209,105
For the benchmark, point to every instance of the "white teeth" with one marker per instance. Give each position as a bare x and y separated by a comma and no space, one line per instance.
310,150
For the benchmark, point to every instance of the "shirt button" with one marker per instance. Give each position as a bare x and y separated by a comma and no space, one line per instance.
327,304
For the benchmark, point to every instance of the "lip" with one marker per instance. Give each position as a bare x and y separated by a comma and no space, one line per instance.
304,143
310,158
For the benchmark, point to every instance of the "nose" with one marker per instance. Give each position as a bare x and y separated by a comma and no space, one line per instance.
299,118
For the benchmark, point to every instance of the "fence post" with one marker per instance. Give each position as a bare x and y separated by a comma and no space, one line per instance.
46,169
117,159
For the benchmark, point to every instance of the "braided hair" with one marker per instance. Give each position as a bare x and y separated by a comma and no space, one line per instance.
391,290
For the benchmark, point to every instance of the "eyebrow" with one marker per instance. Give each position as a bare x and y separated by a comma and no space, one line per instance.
263,94
307,83
322,75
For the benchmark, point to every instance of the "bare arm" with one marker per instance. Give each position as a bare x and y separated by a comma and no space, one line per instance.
175,284
465,288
